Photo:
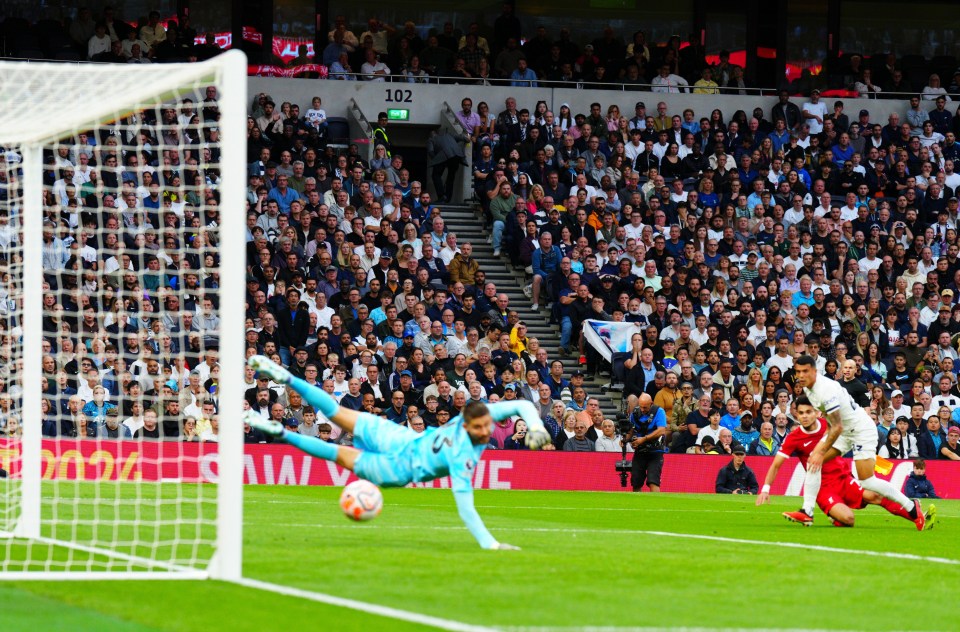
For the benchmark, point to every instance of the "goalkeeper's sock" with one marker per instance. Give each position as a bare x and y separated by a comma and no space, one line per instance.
312,446
316,397
885,489
895,509
811,488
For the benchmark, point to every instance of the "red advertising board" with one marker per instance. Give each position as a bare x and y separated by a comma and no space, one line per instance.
92,460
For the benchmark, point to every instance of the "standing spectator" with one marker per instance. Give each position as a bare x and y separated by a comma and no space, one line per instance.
445,154
814,112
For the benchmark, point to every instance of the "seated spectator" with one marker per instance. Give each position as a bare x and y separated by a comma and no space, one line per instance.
736,477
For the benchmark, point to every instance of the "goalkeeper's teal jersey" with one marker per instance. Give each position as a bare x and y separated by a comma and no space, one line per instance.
394,456
448,450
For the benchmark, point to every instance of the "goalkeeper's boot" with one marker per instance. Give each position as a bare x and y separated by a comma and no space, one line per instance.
800,517
266,366
266,426
930,518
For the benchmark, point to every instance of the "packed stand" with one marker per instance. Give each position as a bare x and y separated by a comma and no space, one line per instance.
736,245
481,54
357,285
130,278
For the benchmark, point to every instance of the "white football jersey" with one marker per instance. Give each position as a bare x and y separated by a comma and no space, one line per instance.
829,396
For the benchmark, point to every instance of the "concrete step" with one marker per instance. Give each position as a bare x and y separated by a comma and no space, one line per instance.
468,224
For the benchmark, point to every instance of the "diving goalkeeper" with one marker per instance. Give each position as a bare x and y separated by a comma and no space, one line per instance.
393,456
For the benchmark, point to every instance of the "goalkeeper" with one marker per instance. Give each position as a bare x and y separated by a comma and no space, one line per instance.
392,456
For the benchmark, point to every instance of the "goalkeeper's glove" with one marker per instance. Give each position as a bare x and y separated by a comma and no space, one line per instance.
537,438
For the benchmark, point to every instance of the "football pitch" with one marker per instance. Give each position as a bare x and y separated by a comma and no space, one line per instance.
589,560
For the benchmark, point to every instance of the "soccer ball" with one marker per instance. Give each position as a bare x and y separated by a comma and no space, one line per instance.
361,501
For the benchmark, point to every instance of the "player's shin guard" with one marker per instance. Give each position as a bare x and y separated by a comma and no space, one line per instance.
885,489
811,488
316,397
895,509
312,446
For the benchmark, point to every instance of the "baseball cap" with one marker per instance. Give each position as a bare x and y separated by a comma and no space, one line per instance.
945,308
864,112
953,430
510,387
252,279
896,393
946,293
386,254
577,373
249,329
330,269
739,449
410,331
406,374
640,104
292,422
670,340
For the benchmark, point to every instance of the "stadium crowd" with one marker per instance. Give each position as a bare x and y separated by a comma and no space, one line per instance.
489,53
737,245
734,243
735,251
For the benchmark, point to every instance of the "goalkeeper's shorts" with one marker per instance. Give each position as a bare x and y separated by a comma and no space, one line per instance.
382,444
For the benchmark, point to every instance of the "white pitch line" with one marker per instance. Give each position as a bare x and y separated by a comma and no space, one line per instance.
666,534
363,606
538,507
650,629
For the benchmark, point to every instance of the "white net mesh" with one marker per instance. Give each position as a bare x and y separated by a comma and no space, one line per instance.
131,295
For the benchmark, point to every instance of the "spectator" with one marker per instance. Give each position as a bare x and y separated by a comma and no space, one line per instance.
736,477
579,441
917,485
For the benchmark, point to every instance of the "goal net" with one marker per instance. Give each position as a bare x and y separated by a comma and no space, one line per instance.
121,319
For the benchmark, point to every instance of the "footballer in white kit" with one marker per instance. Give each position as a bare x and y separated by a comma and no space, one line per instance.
850,430
859,432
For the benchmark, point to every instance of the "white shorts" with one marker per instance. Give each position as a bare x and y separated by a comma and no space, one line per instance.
861,441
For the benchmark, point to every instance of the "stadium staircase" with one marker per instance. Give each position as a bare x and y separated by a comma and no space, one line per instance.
468,225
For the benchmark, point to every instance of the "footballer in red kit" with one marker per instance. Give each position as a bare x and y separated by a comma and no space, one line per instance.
840,493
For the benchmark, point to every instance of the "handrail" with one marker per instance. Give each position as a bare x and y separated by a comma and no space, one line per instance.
541,83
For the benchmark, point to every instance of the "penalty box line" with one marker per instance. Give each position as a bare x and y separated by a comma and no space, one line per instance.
912,557
365,607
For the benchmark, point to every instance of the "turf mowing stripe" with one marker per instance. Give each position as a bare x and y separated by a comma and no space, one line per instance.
668,534
363,606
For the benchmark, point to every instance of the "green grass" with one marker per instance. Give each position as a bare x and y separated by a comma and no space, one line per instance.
586,561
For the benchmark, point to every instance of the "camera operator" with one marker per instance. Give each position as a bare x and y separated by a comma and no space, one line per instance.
647,439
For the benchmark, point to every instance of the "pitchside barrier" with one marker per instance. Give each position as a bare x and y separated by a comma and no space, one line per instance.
263,464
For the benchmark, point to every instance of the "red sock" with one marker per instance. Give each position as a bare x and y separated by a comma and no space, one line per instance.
895,508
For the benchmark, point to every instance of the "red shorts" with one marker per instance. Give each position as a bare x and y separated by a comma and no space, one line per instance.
845,490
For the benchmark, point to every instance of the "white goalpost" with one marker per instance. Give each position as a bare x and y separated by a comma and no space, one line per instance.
122,310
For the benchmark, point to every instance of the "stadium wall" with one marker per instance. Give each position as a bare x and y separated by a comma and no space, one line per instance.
93,460
424,100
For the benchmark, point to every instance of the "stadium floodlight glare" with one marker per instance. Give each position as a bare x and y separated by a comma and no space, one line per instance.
99,507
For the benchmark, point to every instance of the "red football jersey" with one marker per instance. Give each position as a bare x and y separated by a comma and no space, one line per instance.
801,444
